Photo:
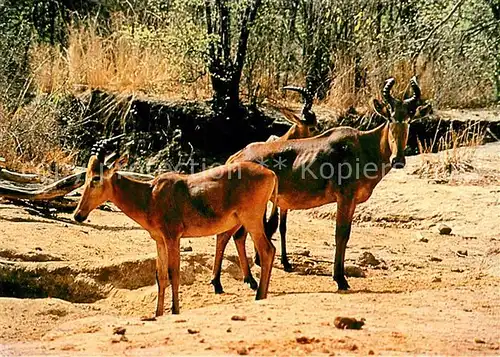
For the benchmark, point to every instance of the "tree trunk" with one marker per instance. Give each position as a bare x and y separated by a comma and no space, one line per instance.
497,77
225,72
495,11
226,97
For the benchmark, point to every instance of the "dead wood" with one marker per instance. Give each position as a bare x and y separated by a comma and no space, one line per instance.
17,177
57,189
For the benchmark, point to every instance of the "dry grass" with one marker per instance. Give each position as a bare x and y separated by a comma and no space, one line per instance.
344,95
455,153
127,61
158,63
29,139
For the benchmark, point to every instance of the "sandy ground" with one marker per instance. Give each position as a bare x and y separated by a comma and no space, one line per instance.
430,294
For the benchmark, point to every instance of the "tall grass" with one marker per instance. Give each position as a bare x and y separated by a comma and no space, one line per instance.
155,64
456,150
128,60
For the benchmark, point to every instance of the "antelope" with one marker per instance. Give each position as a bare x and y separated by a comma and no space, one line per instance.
301,128
341,165
174,206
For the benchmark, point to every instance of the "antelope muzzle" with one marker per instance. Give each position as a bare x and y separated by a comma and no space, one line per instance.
398,162
79,217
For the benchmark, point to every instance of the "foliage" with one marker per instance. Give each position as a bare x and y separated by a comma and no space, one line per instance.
343,49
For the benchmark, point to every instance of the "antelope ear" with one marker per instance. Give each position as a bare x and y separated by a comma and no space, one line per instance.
423,111
380,109
119,163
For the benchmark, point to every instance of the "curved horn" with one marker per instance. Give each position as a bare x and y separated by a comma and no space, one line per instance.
307,96
416,91
386,92
99,148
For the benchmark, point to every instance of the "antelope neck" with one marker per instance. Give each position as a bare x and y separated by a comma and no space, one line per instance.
377,140
131,197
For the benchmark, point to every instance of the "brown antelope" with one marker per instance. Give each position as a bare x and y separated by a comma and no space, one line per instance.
301,128
173,206
341,165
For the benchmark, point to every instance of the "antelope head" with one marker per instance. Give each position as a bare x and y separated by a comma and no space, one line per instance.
98,186
399,113
308,117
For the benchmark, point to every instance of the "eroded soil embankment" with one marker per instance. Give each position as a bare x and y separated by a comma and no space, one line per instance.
89,281
163,134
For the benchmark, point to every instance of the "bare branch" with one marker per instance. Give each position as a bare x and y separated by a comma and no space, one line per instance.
224,31
424,42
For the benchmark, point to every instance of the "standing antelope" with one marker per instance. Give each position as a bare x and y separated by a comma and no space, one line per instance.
301,128
342,165
174,206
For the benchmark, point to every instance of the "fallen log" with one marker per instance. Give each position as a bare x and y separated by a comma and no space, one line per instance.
17,177
46,208
57,189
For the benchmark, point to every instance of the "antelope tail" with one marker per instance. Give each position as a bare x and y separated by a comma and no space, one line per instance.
271,225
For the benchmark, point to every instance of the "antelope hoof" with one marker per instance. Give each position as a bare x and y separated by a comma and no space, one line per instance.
158,313
287,267
260,296
342,283
251,281
217,286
